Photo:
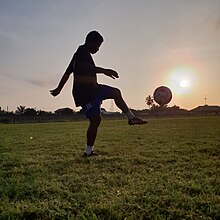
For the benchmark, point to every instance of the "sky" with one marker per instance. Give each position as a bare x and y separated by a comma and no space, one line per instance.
148,42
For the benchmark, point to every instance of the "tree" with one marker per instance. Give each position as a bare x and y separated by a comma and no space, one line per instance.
30,111
20,110
149,101
42,112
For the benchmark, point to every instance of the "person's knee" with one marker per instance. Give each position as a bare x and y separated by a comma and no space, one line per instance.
117,92
95,121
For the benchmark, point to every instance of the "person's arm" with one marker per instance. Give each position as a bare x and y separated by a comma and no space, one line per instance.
65,77
91,68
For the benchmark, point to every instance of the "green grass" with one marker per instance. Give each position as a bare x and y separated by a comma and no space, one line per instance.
168,169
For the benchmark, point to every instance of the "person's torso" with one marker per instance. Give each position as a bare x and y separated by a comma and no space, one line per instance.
85,85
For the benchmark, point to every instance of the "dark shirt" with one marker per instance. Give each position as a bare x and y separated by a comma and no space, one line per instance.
85,86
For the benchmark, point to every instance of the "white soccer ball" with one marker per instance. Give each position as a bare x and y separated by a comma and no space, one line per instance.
162,95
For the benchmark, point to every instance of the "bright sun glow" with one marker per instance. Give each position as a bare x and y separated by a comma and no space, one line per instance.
184,83
181,80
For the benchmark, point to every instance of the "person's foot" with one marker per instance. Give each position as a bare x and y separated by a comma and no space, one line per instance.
136,121
90,155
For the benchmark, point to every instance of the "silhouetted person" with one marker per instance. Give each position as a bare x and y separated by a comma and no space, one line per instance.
88,93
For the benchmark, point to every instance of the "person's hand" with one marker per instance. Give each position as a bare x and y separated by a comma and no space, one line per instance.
55,92
111,73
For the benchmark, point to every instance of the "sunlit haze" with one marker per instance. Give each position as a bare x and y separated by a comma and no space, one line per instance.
149,43
181,81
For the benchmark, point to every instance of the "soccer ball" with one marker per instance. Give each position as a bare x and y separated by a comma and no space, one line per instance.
162,95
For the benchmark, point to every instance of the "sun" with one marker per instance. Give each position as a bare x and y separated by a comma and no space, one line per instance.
184,83
181,80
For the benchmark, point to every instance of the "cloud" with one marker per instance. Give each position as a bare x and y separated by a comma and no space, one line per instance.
10,34
37,82
43,83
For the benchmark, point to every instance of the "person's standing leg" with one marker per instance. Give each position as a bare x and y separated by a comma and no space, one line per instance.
94,123
92,130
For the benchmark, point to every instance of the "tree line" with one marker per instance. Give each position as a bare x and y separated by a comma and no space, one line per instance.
23,110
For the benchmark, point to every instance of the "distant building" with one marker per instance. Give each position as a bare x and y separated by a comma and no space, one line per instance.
141,113
64,111
206,109
106,113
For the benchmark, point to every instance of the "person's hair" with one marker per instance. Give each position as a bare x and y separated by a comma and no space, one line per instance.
94,36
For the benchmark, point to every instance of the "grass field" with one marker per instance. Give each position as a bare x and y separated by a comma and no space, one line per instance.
168,169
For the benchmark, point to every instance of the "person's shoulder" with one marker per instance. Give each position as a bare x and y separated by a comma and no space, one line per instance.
82,53
82,49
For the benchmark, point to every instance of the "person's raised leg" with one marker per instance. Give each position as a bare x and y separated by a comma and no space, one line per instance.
120,103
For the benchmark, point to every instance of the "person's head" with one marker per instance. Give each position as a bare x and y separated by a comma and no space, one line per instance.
93,41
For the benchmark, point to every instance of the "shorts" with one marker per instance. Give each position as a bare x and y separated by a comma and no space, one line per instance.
93,108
